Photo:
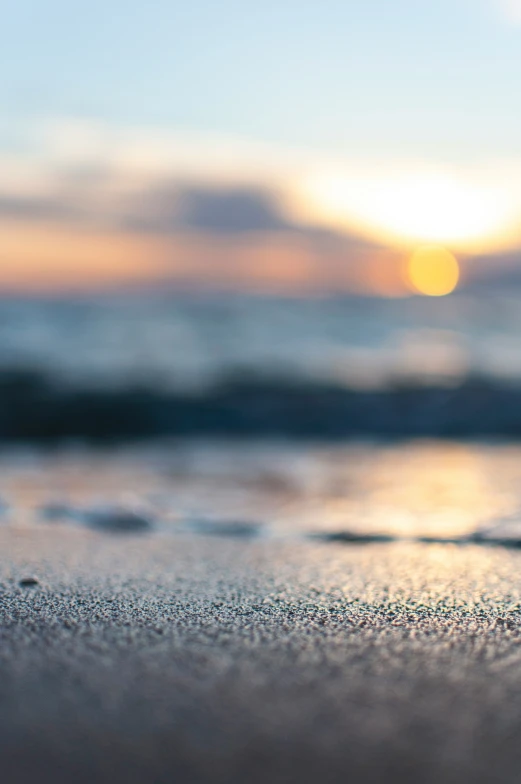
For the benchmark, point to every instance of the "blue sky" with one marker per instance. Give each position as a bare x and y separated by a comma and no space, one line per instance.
383,78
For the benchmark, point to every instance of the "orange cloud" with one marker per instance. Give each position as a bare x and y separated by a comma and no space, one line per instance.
39,257
46,258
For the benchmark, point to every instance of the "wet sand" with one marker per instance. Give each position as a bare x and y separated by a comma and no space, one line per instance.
199,658
261,613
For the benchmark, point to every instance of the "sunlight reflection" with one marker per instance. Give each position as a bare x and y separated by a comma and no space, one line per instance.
406,491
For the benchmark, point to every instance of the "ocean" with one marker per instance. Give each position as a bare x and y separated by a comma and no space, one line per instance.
190,341
222,366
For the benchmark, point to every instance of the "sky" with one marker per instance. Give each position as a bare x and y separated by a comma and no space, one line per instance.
291,140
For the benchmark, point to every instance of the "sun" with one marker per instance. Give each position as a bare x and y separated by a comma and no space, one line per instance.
433,271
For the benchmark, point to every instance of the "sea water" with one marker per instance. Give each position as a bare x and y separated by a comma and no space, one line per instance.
190,340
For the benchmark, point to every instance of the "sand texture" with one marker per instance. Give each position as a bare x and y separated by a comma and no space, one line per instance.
166,658
229,615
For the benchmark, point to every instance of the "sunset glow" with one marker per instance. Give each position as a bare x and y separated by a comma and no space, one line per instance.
419,206
47,258
296,175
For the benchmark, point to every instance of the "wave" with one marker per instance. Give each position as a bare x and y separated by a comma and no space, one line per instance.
35,407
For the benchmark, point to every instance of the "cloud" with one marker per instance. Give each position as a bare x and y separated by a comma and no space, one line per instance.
144,180
172,207
90,224
98,196
32,207
95,201
233,210
70,198
154,180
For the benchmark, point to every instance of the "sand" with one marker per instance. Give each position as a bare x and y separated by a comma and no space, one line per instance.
250,613
187,657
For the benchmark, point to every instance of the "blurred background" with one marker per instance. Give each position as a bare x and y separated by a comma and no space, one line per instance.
201,194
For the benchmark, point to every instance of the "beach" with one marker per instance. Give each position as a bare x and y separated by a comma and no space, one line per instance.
260,392
139,644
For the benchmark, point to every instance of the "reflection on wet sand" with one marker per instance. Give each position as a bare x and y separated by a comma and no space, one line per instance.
427,491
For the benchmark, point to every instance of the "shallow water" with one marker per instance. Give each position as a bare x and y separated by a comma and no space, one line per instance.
346,493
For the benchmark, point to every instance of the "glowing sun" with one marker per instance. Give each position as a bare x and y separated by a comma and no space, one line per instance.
433,271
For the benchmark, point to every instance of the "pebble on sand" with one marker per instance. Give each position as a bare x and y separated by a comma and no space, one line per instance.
28,582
